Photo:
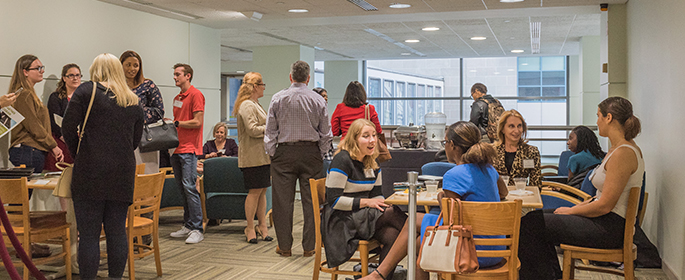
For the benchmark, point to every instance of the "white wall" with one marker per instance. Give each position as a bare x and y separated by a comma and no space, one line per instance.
66,31
656,87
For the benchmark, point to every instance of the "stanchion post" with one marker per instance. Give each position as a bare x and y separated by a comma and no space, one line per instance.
412,178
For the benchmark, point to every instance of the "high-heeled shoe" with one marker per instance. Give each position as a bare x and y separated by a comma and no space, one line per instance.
251,241
259,233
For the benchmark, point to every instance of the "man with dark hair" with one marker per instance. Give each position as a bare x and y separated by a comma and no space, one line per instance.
297,136
189,107
485,112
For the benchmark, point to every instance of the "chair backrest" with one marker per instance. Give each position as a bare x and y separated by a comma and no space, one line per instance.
491,218
631,217
563,163
140,168
436,168
147,193
222,174
15,196
587,185
318,191
554,199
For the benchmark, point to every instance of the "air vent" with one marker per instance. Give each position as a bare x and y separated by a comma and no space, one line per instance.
535,37
364,5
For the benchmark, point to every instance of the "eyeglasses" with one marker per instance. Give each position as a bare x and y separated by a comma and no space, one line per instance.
73,76
39,68
260,85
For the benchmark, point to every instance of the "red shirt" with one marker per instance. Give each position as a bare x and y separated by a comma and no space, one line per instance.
185,104
343,116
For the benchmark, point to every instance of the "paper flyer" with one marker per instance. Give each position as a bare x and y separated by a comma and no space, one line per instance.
9,118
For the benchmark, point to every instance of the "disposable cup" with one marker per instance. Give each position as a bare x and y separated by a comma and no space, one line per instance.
520,183
432,186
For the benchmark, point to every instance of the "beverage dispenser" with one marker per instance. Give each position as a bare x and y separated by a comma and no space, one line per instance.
435,130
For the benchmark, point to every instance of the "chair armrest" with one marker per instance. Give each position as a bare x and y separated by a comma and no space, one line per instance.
584,196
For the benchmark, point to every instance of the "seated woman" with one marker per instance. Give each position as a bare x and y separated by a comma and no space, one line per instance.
473,179
515,158
353,107
583,142
355,208
220,146
597,223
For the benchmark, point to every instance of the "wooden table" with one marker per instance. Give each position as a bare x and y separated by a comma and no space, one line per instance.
40,183
424,199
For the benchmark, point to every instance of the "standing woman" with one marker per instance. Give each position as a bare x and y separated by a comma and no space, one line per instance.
515,158
353,107
150,99
597,223
57,104
105,166
253,160
32,138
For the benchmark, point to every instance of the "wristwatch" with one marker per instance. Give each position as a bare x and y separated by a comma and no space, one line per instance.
176,123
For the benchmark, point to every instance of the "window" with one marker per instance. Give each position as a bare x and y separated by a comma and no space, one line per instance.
542,77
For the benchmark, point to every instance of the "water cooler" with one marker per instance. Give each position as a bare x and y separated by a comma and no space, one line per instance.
435,130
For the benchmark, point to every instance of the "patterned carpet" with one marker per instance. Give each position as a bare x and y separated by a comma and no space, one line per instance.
224,254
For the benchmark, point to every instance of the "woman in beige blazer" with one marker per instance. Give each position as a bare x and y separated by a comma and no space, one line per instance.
252,158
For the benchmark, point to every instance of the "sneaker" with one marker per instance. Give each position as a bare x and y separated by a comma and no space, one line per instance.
183,232
195,237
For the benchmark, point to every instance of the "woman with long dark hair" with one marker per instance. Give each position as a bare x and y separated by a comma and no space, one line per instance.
353,107
584,143
57,104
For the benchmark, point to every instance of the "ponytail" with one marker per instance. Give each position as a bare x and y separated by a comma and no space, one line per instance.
632,127
480,153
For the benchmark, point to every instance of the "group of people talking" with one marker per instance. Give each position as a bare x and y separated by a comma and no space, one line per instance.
355,208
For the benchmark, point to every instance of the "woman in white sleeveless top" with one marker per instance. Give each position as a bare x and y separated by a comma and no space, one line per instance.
596,224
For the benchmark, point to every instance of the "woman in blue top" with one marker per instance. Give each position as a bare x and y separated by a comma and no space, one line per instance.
583,142
473,179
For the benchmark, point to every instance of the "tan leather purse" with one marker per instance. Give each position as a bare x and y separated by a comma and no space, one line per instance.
448,248
63,188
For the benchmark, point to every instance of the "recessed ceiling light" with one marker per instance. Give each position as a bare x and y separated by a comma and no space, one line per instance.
411,41
473,70
298,10
399,6
510,1
240,71
506,21
524,64
405,53
430,28
496,73
517,51
512,38
478,38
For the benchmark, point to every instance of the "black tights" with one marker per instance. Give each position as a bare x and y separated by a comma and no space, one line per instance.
388,227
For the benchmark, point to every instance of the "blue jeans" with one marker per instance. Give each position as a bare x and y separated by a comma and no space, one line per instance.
185,173
29,156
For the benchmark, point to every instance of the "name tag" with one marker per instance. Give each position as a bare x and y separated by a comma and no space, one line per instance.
178,103
528,163
369,173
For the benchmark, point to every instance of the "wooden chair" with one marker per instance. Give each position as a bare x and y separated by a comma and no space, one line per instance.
140,168
318,190
626,254
492,218
172,198
545,169
15,195
641,213
553,199
147,195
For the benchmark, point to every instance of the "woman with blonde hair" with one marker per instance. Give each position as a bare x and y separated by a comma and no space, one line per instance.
32,138
253,160
515,157
104,164
355,208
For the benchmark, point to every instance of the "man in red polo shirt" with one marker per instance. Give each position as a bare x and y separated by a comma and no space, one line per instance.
189,107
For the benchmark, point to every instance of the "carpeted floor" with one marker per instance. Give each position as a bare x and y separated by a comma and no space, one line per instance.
224,254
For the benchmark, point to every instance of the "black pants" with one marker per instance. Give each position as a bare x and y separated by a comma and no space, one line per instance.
91,215
542,230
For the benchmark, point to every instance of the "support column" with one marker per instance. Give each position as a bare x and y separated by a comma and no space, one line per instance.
274,62
614,52
590,68
337,75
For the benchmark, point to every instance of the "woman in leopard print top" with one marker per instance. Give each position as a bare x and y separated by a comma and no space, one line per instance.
515,158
